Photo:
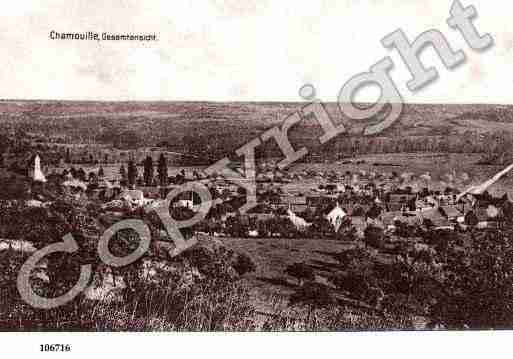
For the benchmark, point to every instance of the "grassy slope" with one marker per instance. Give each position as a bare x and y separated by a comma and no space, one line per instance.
271,288
272,255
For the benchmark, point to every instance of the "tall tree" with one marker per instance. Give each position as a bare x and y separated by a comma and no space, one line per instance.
81,174
122,172
162,170
132,173
68,155
148,171
92,177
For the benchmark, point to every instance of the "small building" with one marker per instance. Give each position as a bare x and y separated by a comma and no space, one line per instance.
396,207
451,212
487,217
293,200
402,198
437,218
319,201
298,208
389,218
358,210
262,217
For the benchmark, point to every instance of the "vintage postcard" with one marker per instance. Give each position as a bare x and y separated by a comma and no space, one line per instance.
255,166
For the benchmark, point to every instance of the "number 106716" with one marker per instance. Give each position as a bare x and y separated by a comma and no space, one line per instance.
55,347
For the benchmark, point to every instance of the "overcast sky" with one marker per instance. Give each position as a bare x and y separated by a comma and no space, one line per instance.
239,50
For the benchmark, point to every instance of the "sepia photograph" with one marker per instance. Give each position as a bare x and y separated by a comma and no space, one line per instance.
252,166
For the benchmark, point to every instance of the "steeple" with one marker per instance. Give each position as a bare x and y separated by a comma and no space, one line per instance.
35,172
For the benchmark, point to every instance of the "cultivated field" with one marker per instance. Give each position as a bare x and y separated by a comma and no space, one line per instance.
438,165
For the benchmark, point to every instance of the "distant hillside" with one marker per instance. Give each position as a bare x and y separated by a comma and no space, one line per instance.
217,126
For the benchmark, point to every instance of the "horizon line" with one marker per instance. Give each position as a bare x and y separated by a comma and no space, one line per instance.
242,102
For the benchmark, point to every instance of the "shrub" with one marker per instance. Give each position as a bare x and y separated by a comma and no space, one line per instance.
355,284
301,272
315,295
373,236
243,264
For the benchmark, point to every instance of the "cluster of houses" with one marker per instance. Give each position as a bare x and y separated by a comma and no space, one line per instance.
385,208
361,199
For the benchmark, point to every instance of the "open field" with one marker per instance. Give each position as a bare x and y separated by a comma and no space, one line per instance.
271,290
438,165
272,255
269,285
